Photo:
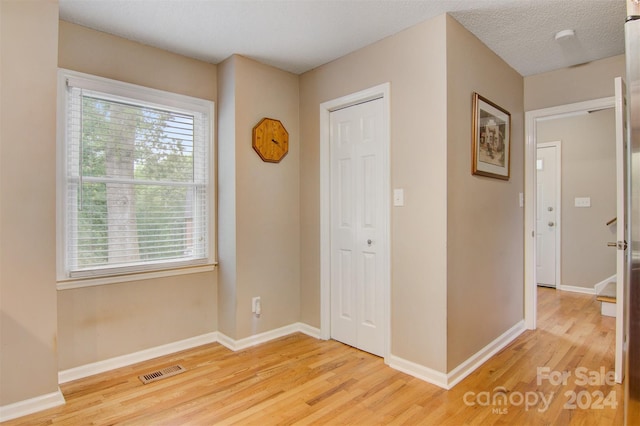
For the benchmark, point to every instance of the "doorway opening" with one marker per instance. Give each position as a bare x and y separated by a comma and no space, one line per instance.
618,195
532,121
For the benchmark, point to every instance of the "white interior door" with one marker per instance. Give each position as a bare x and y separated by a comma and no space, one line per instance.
547,213
357,207
622,260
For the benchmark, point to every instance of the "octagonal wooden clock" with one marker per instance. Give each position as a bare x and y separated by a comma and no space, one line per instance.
270,140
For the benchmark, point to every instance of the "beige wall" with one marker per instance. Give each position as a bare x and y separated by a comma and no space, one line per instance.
227,269
485,287
413,61
265,229
588,170
94,52
28,46
96,323
102,322
593,80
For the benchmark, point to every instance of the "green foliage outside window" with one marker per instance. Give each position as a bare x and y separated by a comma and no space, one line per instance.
135,198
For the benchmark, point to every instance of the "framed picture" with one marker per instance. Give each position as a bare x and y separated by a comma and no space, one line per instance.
491,139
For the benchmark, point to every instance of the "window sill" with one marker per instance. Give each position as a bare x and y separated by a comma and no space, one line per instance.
116,279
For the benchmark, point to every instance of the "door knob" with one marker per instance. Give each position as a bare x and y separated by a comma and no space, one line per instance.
369,242
551,223
612,244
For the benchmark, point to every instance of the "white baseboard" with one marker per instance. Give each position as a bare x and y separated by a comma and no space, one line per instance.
31,405
448,381
310,331
599,286
586,290
419,371
456,375
576,289
86,370
257,339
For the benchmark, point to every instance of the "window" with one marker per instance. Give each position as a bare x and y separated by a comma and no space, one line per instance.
134,189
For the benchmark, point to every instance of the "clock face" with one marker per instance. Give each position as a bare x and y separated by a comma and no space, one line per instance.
270,140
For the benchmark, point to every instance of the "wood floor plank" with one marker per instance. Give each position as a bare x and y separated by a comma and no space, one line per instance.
297,380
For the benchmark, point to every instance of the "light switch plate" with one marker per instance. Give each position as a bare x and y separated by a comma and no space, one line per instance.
398,197
582,201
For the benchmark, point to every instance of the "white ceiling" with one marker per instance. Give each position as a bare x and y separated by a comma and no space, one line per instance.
299,35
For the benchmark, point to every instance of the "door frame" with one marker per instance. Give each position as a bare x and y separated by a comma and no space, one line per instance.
381,91
623,202
558,226
530,126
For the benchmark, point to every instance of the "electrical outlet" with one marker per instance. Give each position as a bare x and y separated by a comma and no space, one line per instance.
255,302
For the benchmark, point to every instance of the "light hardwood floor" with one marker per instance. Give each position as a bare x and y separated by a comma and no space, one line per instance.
297,379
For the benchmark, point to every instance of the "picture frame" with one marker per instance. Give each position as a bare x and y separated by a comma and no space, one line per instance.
491,139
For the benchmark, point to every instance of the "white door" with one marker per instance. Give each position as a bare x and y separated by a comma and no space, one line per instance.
622,197
357,203
547,214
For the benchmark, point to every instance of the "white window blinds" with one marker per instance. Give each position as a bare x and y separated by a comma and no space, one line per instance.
136,181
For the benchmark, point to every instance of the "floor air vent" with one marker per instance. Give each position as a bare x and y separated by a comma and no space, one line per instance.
162,374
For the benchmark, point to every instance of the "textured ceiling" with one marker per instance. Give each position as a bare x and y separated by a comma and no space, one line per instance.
298,35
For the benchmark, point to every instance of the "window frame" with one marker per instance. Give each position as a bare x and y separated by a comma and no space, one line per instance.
144,96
